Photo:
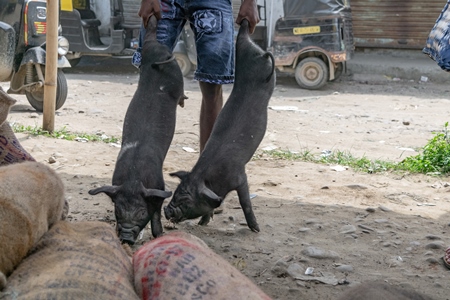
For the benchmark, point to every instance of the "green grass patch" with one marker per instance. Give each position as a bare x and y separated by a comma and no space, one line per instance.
63,134
304,155
433,158
343,158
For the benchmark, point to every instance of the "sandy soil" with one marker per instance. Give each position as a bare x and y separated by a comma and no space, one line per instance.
350,227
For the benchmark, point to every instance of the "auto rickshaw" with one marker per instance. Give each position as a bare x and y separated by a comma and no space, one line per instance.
310,39
22,51
109,27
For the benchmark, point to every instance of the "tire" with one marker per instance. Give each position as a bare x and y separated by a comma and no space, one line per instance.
36,98
311,73
184,63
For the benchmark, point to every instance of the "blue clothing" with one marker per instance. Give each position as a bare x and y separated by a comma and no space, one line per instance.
212,23
438,41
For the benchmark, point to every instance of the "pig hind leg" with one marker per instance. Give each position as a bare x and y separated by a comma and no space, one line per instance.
246,205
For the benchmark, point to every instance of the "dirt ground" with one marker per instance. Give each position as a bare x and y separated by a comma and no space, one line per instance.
348,226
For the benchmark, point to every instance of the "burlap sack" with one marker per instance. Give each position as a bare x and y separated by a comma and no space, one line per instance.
6,101
181,266
31,201
10,149
82,260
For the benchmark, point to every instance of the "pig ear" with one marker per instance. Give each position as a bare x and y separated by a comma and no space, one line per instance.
110,190
213,200
179,174
157,193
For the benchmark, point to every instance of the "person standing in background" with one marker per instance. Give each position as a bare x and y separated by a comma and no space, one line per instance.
213,26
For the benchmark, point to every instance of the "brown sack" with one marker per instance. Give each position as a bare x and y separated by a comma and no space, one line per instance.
6,101
82,260
31,200
10,149
181,266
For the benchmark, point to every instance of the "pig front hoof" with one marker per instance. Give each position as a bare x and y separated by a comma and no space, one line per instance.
157,233
157,228
205,219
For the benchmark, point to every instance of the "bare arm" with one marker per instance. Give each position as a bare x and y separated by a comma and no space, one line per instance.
248,11
148,9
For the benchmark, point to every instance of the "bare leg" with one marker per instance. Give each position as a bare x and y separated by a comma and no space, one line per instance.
212,102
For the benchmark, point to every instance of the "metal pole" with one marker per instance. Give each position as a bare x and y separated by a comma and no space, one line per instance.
51,63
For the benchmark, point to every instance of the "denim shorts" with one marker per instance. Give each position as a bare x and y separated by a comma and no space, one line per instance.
213,26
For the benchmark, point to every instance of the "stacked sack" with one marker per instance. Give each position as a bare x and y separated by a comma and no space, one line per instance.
82,260
10,149
31,201
181,266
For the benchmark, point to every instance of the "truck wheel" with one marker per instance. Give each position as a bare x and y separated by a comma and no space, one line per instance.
311,73
36,97
184,63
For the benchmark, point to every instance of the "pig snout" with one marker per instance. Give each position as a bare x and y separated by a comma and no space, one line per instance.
173,214
128,233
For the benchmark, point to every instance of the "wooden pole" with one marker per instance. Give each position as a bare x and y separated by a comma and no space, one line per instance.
51,65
